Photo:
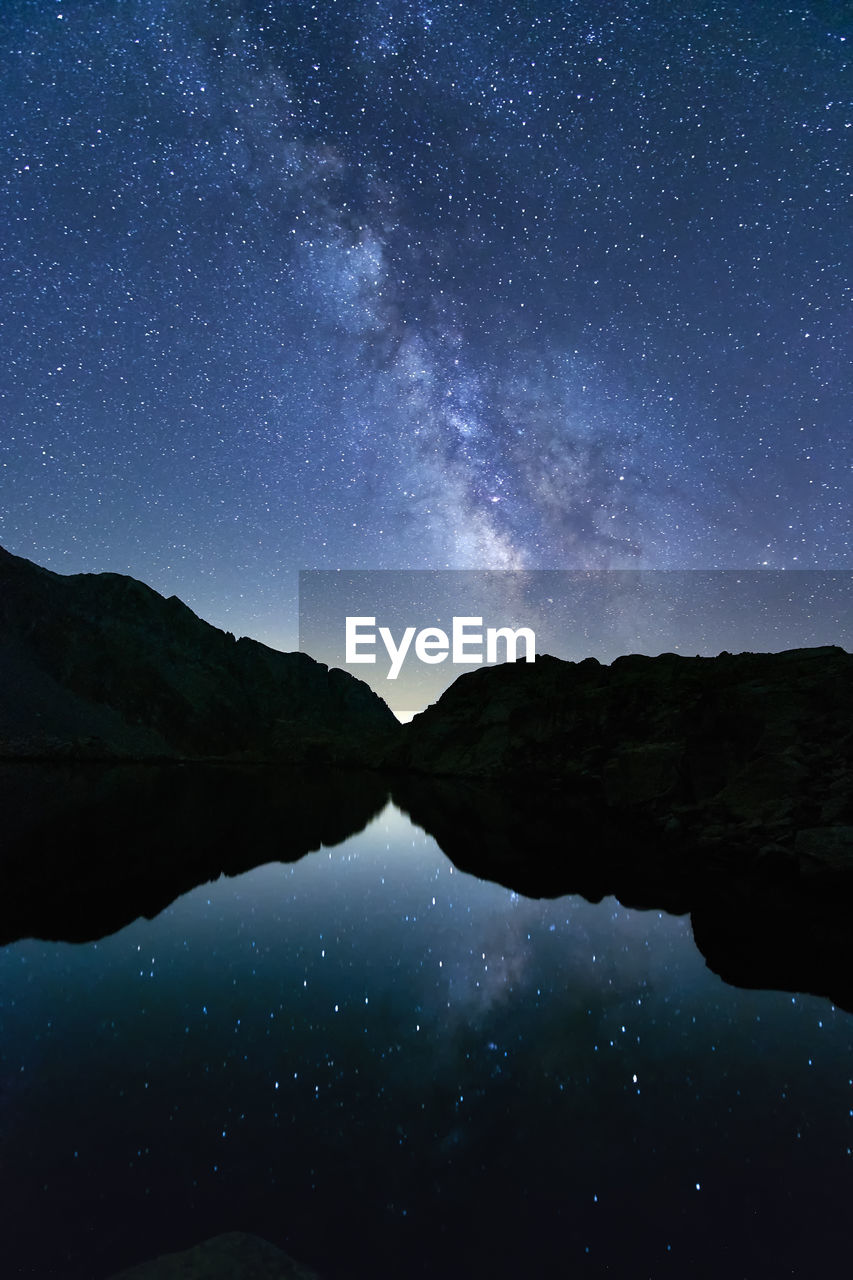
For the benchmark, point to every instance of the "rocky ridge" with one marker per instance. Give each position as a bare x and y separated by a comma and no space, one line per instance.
100,666
731,749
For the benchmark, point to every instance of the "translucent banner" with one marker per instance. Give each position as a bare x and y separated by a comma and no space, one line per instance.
410,633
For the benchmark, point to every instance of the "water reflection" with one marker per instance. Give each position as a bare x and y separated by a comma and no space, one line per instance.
761,918
387,1066
88,849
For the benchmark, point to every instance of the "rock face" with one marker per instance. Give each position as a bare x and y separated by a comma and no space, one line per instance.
99,666
731,747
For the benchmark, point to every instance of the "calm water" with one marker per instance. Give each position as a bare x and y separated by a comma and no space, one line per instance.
390,1068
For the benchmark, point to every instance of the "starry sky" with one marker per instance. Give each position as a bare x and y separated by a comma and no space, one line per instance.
424,284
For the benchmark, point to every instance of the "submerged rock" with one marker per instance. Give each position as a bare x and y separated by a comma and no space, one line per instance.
99,666
233,1256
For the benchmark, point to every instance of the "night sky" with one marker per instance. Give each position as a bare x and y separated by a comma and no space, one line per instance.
375,284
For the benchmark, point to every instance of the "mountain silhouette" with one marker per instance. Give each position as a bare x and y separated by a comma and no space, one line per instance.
100,666
145,751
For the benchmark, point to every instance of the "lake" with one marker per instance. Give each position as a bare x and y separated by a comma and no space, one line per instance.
389,1067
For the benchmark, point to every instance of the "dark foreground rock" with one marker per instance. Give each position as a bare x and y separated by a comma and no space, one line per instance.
233,1256
99,665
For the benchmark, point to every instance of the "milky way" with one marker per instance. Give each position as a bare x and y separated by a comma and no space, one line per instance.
421,285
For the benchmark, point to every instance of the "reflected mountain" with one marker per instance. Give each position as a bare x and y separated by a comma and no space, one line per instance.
545,843
762,917
87,849
720,786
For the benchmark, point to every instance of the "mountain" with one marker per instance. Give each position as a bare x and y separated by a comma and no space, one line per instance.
720,786
738,757
102,666
756,736
233,1256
